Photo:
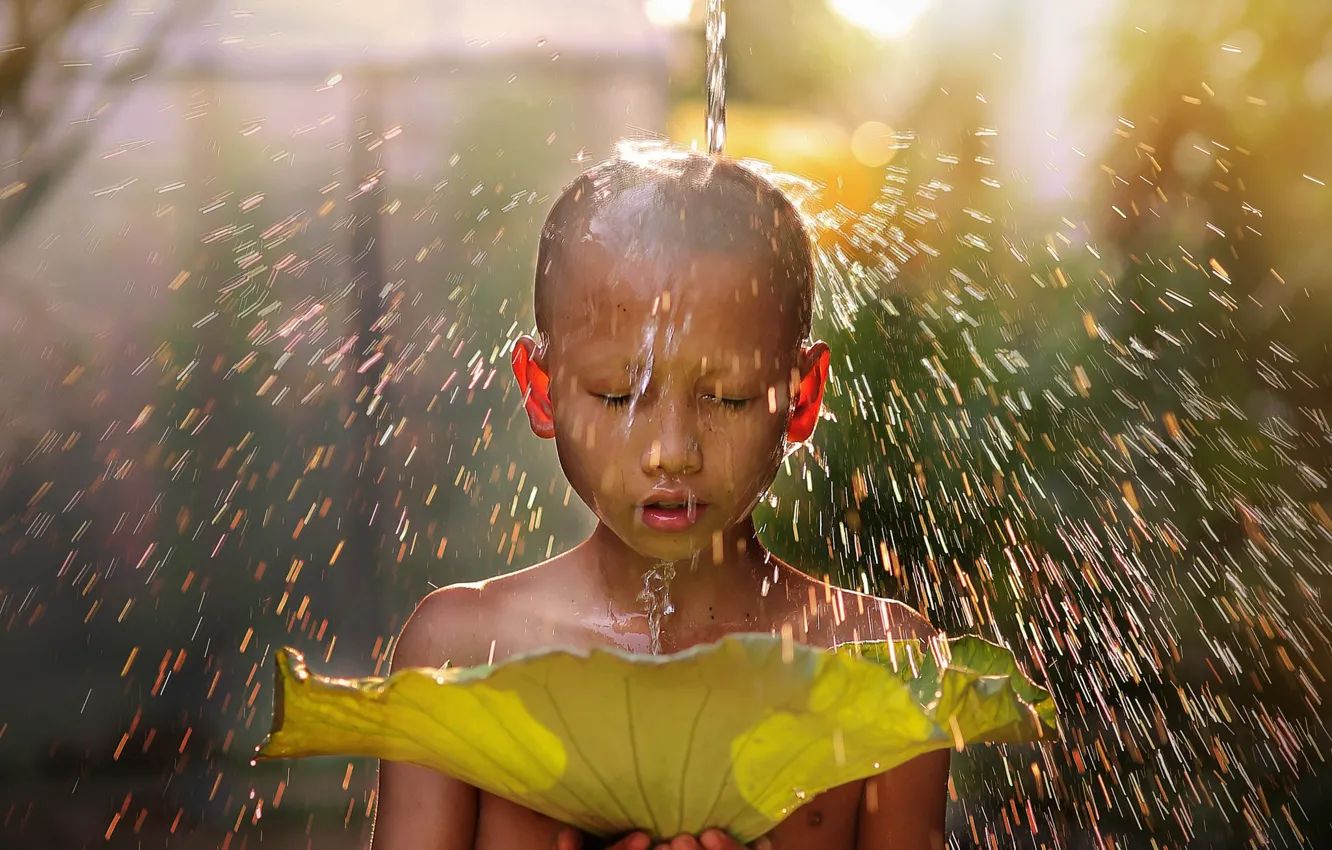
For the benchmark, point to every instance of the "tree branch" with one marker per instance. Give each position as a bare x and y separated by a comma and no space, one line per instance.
45,170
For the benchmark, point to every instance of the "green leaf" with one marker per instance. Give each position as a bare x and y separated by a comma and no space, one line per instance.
734,735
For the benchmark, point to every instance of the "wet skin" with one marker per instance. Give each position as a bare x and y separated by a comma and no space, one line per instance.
672,380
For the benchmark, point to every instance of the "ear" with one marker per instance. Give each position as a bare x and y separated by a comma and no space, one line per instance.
534,382
808,399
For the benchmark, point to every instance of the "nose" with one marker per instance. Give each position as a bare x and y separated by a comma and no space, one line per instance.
674,448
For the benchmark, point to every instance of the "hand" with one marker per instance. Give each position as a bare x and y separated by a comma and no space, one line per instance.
712,839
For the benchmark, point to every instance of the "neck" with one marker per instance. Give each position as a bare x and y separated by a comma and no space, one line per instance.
707,581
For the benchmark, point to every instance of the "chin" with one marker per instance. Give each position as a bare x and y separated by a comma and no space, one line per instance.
669,547
668,550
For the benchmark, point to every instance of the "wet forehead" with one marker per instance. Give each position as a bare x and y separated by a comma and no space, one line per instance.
702,305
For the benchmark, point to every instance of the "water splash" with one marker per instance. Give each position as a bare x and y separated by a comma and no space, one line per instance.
1098,494
1064,444
1048,436
656,595
716,76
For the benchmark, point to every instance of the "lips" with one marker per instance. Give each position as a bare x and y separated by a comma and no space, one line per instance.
670,511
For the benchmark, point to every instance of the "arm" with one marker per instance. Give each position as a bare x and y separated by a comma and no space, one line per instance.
904,808
421,809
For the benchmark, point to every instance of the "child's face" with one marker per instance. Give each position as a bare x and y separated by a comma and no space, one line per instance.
671,392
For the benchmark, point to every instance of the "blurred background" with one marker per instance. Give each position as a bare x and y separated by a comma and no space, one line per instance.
260,262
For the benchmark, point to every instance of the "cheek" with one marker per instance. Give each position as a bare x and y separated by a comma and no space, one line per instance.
592,445
746,450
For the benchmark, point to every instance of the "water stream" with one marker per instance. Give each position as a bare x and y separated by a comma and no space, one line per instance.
716,76
656,595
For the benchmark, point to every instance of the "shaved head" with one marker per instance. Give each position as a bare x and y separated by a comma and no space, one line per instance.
668,210
673,299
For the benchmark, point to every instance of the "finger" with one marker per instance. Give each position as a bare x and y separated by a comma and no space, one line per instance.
715,839
763,843
685,842
569,839
633,841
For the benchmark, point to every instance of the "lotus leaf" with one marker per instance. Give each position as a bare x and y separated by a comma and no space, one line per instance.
734,734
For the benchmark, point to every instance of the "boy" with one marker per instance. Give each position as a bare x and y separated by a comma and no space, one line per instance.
673,298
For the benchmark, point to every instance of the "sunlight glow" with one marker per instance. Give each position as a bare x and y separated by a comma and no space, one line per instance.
873,144
668,13
881,18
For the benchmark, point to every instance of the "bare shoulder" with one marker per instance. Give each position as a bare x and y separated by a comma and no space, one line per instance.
903,620
442,629
857,616
863,617
461,624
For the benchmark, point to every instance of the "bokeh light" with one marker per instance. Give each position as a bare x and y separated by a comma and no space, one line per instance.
873,144
881,18
669,13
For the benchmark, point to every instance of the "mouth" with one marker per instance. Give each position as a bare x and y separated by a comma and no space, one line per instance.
671,514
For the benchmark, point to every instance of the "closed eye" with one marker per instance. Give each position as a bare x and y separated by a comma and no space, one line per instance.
728,403
614,399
